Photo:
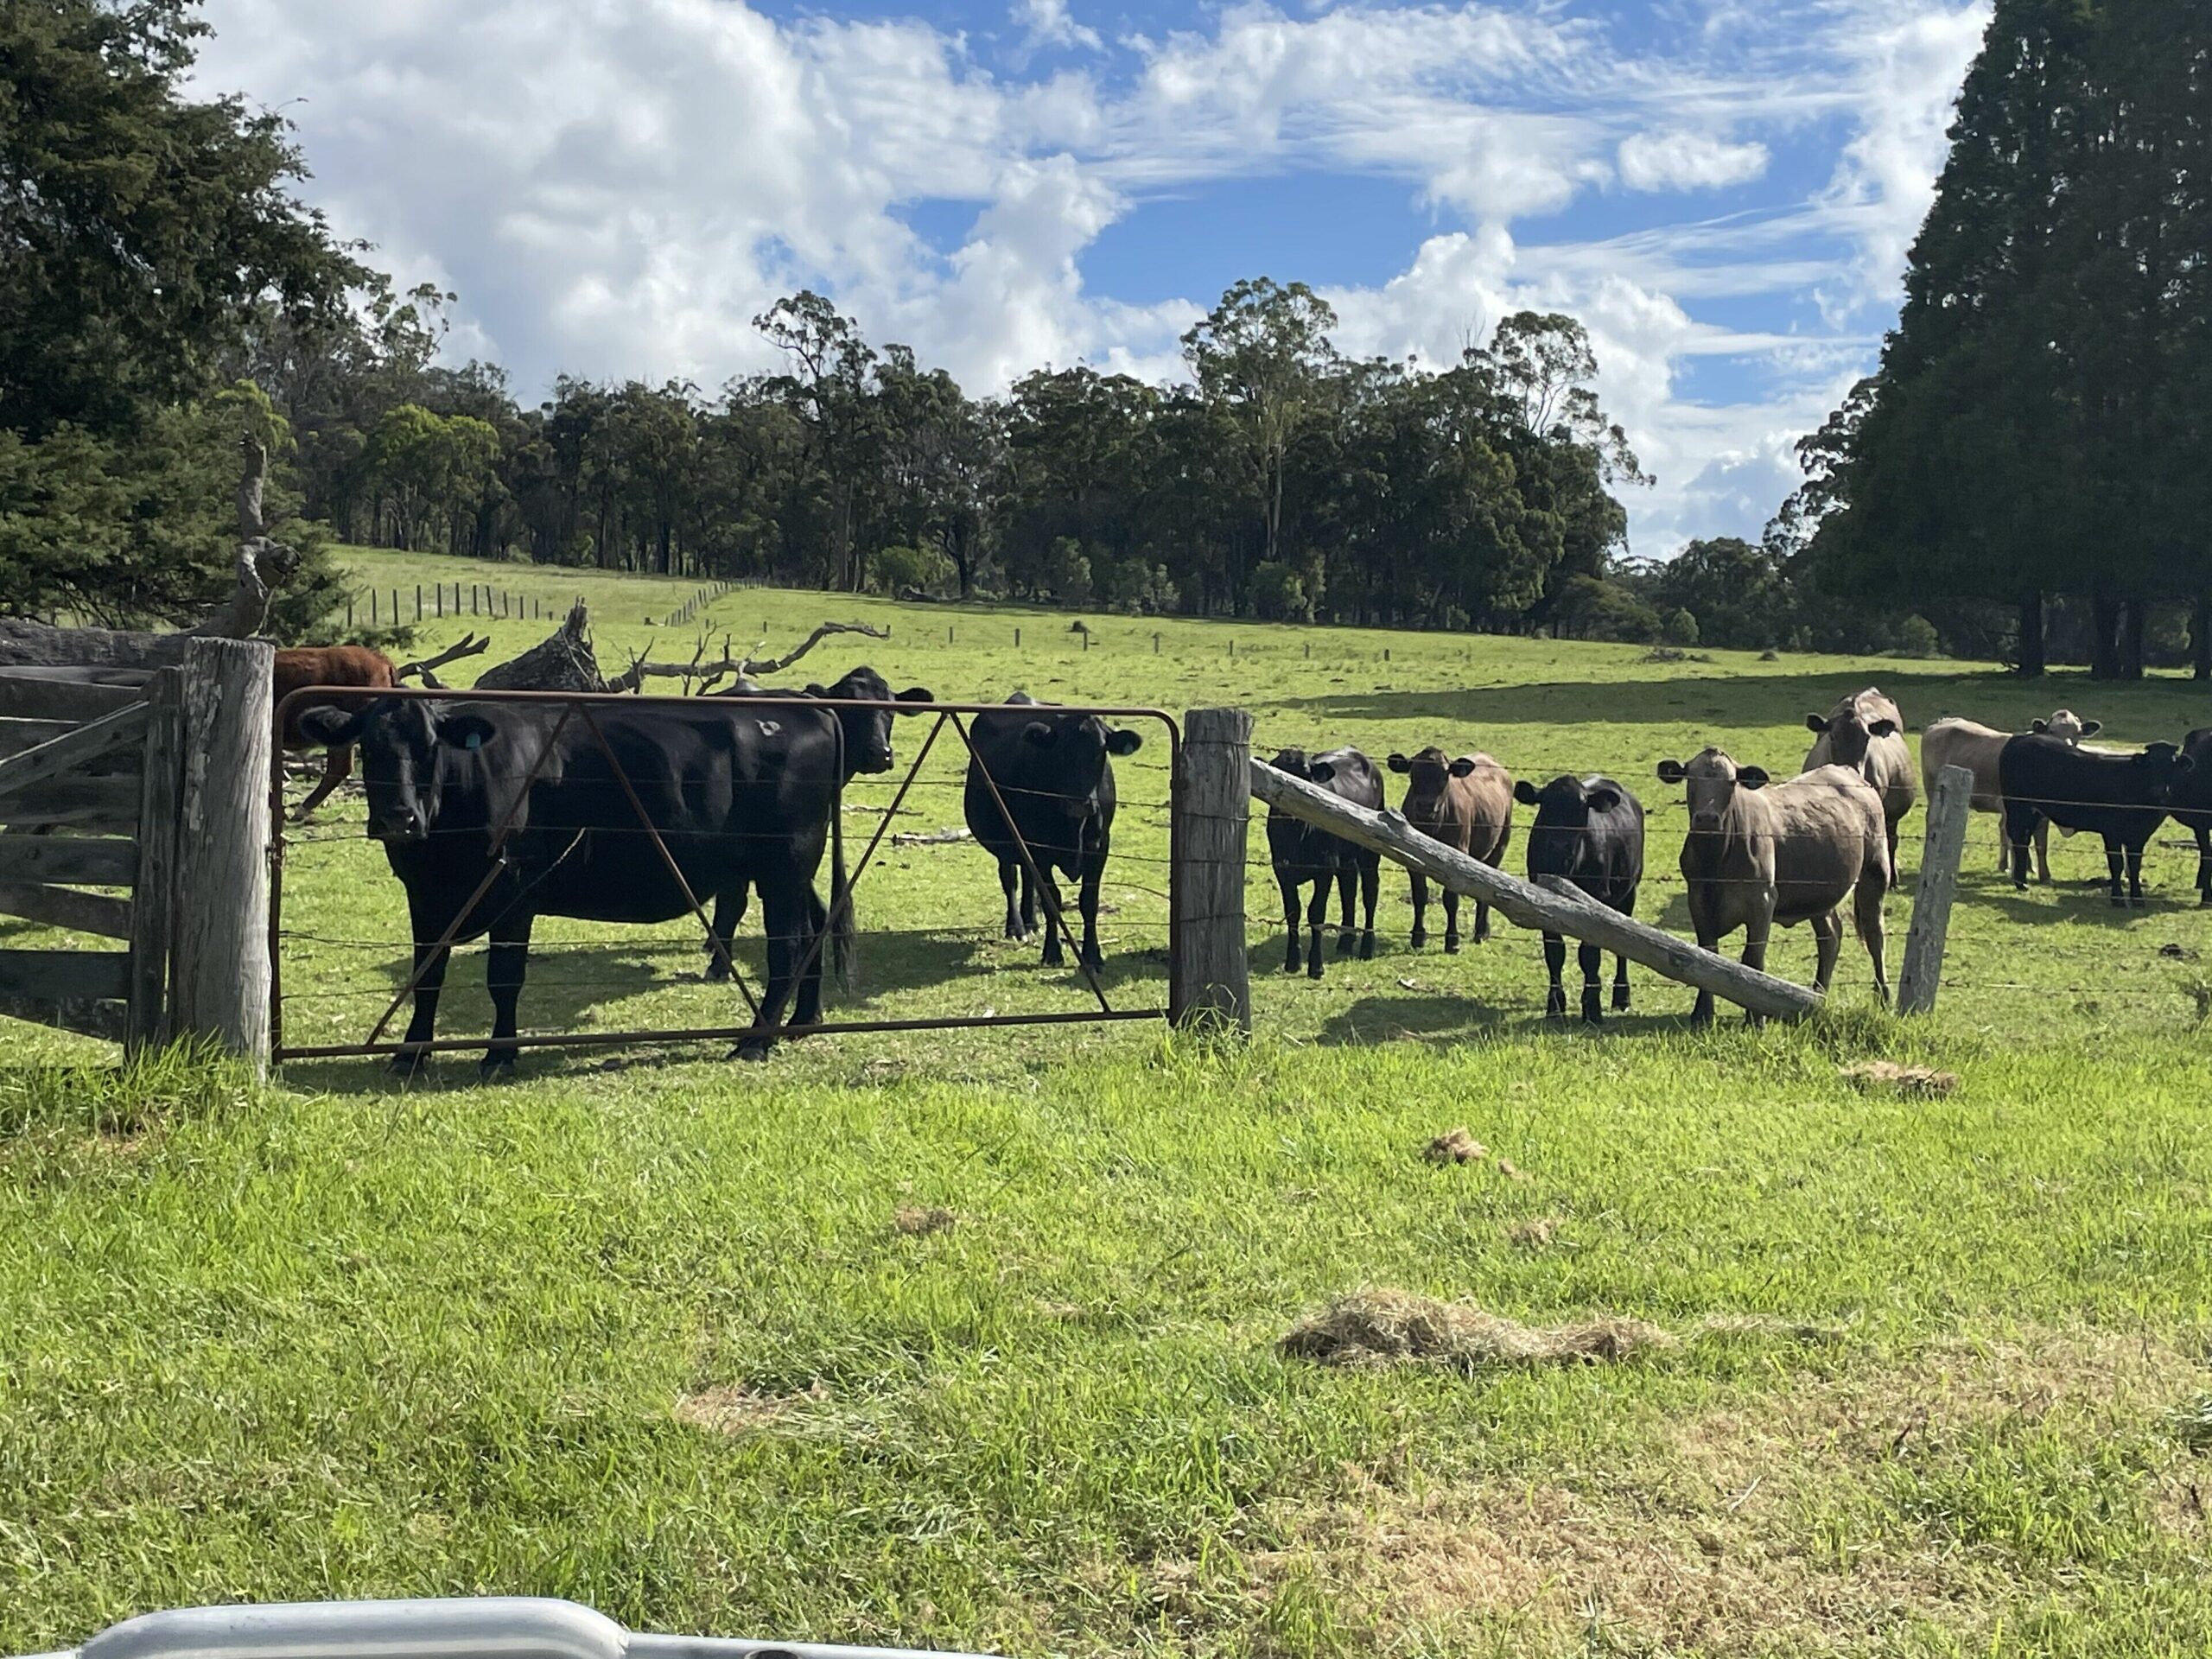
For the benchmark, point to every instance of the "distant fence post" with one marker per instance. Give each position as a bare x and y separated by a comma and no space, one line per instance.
1209,979
220,986
1939,884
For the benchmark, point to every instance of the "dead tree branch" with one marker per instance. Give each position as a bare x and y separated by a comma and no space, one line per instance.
471,646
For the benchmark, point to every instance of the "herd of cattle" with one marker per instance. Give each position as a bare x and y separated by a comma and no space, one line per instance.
494,813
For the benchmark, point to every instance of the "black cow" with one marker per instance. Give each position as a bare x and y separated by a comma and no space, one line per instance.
2123,797
1053,769
735,801
2192,806
867,735
1302,852
1589,832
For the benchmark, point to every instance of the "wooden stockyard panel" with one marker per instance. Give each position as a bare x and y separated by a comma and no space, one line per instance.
78,861
66,693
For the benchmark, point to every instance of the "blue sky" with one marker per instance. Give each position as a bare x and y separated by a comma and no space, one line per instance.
1722,190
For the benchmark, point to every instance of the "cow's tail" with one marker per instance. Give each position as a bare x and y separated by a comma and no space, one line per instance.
843,936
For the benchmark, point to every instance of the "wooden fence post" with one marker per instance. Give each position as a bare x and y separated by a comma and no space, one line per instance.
220,987
1209,979
1939,884
147,1022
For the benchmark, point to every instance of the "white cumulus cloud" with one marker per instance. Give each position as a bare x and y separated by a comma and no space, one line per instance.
1687,161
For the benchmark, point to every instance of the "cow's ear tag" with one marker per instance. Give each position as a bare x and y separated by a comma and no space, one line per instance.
474,740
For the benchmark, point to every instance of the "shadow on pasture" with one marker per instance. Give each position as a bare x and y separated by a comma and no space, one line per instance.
1777,696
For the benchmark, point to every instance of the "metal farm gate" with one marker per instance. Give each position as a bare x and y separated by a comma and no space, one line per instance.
581,711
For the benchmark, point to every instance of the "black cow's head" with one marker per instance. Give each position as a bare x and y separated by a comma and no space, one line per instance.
1713,779
2166,771
412,752
1427,774
868,731
1559,842
1075,748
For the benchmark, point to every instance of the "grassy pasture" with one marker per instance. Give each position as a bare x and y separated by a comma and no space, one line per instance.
684,1339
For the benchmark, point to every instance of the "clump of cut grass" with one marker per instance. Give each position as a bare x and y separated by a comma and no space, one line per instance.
145,1093
1533,1234
1905,1079
1455,1147
1396,1328
733,1409
917,1221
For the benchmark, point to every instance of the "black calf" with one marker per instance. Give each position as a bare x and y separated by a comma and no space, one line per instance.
1303,853
1589,833
2122,797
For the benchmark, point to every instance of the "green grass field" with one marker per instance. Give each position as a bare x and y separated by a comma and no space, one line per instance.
687,1340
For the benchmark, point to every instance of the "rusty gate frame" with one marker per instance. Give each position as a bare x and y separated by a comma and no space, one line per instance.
576,702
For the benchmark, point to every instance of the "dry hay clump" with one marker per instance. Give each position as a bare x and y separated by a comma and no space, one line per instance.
1395,1327
1455,1147
1905,1079
732,1408
915,1221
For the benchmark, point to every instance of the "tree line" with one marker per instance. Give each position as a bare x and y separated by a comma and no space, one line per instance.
2034,454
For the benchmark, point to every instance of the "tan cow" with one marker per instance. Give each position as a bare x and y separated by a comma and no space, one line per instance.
1955,742
1466,804
1758,857
1865,732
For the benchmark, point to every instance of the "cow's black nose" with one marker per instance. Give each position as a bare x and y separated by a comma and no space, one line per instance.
399,826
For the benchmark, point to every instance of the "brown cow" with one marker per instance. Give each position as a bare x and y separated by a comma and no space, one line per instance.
1466,804
298,666
1865,732
1758,857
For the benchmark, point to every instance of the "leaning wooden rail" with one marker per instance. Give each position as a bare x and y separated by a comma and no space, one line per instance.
1552,908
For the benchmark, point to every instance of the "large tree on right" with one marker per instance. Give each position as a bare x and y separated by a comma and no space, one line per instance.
2037,425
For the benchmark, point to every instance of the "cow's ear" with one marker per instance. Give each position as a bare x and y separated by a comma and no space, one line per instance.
1528,794
1462,767
1399,763
1672,772
1039,733
331,728
1124,741
816,689
1321,771
2043,725
2184,763
1816,724
914,693
466,731
2089,727
1883,728
1603,800
1752,777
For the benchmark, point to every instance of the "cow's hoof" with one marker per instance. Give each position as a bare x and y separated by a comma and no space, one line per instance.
1593,1016
1620,1001
1313,968
410,1064
2204,899
496,1068
1451,944
1346,942
1093,960
1293,965
1367,948
754,1049
1420,937
717,972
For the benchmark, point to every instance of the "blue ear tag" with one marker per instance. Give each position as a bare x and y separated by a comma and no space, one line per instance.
474,740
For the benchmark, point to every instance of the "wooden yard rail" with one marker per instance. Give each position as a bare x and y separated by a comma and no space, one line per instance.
135,808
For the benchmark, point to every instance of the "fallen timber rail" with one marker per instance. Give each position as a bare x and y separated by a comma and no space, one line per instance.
1554,907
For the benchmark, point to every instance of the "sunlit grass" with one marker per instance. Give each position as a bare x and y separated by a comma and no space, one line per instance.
644,1330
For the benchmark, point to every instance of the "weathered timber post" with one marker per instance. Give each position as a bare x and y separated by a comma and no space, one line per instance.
1551,908
1209,979
219,988
1939,884
147,1019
